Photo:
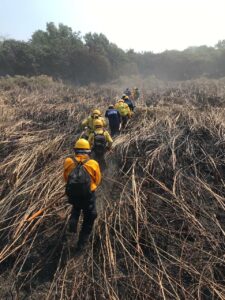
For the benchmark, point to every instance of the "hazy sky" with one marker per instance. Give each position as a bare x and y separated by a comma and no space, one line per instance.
143,25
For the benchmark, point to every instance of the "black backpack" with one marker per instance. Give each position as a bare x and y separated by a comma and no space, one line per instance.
78,184
99,146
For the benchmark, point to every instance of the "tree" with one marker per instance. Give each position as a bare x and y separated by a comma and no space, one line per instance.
220,45
16,58
55,49
62,53
96,43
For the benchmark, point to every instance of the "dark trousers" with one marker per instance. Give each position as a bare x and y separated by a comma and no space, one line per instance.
114,130
100,158
124,121
89,216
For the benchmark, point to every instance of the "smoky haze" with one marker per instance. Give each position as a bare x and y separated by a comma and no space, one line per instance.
60,52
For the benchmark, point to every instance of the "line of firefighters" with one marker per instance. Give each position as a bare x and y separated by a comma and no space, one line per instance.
95,127
82,172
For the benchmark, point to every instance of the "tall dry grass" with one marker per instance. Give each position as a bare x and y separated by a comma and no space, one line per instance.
161,225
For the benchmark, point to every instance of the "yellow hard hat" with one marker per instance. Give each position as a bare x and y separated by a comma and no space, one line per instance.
82,146
96,112
120,100
98,123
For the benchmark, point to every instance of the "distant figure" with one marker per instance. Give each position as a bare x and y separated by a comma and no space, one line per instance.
100,142
82,176
114,118
128,102
135,94
127,92
124,111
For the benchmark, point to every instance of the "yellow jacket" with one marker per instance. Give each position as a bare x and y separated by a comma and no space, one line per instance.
89,122
91,166
123,109
100,131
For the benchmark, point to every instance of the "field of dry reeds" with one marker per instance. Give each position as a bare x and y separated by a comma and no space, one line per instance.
160,232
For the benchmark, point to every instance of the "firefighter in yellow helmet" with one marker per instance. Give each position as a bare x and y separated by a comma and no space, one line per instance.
128,102
100,142
82,176
124,111
89,122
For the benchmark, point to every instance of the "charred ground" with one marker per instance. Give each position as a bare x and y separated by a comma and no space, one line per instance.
161,225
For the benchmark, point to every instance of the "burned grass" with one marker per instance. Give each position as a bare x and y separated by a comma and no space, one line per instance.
161,225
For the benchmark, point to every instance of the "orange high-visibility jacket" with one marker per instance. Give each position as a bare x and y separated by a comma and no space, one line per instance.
91,166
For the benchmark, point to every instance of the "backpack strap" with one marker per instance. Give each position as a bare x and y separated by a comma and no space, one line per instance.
84,162
78,162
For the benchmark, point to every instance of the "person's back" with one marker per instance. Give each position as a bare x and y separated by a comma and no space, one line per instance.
124,111
90,165
129,103
80,170
114,118
100,142
136,94
123,108
89,122
127,92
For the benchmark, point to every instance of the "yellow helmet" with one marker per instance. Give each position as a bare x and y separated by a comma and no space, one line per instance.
98,123
96,112
82,146
120,100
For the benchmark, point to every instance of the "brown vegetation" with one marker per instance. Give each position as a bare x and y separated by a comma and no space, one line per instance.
161,225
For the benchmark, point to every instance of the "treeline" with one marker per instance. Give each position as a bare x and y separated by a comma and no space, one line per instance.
63,54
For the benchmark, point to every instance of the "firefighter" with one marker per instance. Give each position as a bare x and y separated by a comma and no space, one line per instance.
128,102
88,123
82,176
114,118
124,111
100,142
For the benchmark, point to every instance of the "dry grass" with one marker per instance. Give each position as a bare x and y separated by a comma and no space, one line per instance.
160,231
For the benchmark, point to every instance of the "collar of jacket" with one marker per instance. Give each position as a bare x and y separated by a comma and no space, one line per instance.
99,130
81,157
